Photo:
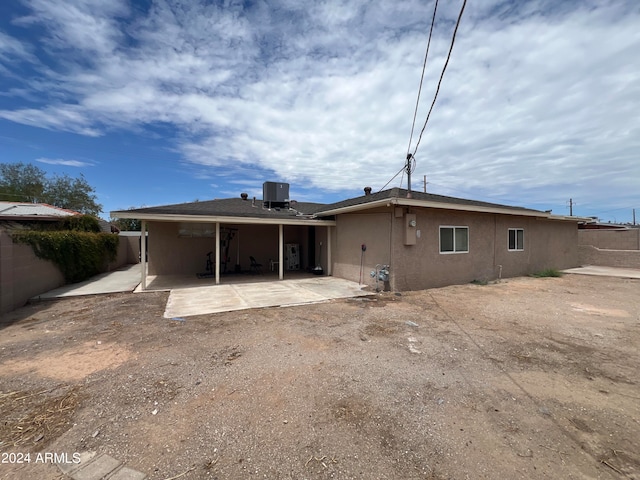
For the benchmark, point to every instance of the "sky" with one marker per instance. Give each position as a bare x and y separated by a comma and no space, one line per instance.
168,101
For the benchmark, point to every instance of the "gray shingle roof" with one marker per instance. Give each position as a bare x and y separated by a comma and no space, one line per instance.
237,207
429,197
231,207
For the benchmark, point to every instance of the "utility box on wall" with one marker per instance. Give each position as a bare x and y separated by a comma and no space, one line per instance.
410,229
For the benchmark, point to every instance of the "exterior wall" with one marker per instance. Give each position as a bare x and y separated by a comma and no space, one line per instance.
351,232
170,254
547,244
22,274
618,239
422,266
590,255
128,252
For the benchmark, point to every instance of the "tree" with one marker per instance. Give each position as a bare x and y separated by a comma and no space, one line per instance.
21,182
127,224
72,193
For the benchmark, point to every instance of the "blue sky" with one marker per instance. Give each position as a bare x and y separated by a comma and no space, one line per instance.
166,101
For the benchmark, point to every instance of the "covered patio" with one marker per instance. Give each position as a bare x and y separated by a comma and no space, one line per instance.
234,240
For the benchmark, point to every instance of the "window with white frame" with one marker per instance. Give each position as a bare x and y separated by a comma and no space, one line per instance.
454,239
516,239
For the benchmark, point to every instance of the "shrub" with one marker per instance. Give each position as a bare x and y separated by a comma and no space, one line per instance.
548,272
80,223
78,254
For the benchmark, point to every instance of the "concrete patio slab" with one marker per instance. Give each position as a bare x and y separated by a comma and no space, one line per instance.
185,302
605,271
97,469
101,467
125,279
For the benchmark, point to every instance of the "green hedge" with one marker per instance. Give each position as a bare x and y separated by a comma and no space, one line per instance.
78,254
79,223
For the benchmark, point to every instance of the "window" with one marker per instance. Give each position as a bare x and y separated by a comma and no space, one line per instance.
454,239
516,239
196,230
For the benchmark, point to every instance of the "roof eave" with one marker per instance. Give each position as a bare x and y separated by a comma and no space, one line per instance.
169,217
33,218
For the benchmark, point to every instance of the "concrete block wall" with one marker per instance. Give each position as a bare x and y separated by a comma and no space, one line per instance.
22,274
628,239
590,255
128,253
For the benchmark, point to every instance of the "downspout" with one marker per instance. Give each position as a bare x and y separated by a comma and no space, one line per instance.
495,243
392,279
328,250
280,251
143,255
217,253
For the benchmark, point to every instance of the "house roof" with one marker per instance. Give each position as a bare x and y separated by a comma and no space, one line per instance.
399,196
32,211
236,210
244,211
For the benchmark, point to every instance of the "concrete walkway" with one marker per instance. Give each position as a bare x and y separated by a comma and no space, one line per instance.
125,279
605,271
184,302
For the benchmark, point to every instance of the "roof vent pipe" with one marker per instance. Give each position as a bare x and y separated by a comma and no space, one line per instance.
244,196
367,190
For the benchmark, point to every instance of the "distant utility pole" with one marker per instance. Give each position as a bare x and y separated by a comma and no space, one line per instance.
425,187
571,207
634,216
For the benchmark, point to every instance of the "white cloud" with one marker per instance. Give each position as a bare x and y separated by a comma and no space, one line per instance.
68,118
66,163
539,98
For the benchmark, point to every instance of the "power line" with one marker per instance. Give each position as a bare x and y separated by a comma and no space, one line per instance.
446,63
385,185
424,66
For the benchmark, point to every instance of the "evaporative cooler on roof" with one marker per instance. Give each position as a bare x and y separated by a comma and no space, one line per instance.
275,194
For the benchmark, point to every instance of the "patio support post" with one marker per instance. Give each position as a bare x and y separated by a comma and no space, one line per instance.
217,253
328,250
143,255
281,251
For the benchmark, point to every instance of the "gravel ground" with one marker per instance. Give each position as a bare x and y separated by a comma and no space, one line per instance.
528,378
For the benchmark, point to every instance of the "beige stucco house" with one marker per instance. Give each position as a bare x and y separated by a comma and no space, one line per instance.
426,240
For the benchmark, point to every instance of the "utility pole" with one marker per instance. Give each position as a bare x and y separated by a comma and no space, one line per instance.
425,186
571,207
408,167
634,216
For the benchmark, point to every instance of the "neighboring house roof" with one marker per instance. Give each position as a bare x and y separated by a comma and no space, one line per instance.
32,211
247,209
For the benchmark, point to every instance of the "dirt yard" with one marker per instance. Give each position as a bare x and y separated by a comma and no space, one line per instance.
528,378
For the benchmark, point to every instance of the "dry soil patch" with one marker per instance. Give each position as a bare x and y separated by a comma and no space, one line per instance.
528,378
